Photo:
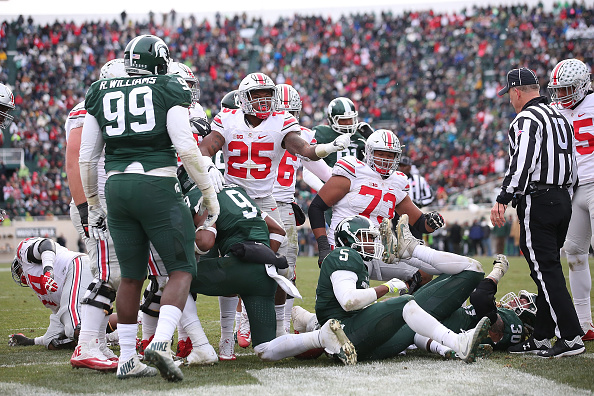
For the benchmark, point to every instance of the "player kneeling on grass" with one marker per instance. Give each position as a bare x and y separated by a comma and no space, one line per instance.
343,293
59,278
247,267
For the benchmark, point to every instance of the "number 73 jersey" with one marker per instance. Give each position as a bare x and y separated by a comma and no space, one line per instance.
369,195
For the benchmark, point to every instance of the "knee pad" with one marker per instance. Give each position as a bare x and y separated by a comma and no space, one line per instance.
152,295
99,288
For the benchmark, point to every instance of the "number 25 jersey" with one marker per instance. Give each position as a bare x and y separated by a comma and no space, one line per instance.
369,195
253,155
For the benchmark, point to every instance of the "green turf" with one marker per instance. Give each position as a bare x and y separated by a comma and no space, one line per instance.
22,312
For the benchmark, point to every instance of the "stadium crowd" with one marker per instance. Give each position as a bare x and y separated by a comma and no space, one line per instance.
432,78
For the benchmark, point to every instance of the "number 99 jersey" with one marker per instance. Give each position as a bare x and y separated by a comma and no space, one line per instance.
369,195
132,115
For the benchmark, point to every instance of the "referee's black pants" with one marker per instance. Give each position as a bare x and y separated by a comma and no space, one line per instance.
544,218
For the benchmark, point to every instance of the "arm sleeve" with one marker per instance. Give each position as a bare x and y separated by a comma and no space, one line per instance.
312,180
91,146
319,168
344,284
316,212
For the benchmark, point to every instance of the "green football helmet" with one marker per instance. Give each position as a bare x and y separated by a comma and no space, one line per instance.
524,305
230,101
358,232
146,55
342,109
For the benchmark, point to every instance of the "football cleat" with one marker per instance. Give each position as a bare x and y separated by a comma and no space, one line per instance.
389,241
134,368
244,335
564,347
88,355
142,344
184,348
159,354
19,339
226,349
303,320
588,332
108,352
202,356
468,341
449,354
406,241
530,346
484,351
335,341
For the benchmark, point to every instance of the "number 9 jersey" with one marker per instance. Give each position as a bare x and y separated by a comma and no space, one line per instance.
132,113
369,195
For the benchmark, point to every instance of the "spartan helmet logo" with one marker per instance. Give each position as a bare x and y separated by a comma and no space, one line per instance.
161,50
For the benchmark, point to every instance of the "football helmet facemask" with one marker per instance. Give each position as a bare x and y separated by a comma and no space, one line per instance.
16,268
342,109
261,106
288,99
6,106
569,83
230,101
523,304
383,140
179,69
358,232
113,69
146,55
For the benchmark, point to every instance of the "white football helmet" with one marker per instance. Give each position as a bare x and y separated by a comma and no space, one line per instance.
569,83
260,107
185,72
383,140
288,99
113,69
6,106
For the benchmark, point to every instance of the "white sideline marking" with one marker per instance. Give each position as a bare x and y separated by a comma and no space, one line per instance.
419,376
33,364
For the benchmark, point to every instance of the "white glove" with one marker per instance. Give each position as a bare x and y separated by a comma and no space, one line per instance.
397,286
211,203
97,222
215,175
339,144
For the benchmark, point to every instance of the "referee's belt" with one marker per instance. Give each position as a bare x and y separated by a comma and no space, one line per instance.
538,186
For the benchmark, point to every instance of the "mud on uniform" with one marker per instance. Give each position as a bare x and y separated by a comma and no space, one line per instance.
143,207
240,220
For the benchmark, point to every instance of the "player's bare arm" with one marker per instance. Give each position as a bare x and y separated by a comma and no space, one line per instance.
212,143
407,206
295,144
332,192
72,168
274,228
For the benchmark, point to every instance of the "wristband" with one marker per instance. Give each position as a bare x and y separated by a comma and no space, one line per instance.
277,237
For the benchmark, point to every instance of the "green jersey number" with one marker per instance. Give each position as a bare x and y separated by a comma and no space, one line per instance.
242,202
147,110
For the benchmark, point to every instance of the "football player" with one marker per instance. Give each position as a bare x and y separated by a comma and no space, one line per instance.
98,300
342,120
372,188
378,330
6,106
288,100
571,92
142,121
58,277
238,257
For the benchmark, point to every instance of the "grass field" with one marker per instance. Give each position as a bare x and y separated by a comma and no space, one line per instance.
34,370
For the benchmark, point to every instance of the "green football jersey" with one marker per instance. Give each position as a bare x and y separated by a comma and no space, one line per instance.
240,218
340,259
132,115
325,134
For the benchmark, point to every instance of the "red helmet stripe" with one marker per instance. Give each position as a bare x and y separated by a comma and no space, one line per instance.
556,71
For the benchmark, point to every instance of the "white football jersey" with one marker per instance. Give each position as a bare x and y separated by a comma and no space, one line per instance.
253,154
370,195
76,119
33,270
195,111
284,184
583,128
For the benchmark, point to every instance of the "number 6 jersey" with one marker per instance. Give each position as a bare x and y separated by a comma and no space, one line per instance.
370,195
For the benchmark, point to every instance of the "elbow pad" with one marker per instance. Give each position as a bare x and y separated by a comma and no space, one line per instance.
316,212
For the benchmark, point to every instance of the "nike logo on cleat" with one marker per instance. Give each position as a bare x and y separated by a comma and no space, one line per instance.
159,346
126,367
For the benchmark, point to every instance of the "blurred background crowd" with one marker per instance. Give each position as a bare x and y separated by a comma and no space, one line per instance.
431,78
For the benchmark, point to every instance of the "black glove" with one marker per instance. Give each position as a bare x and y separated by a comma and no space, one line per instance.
298,212
434,219
415,282
83,211
256,252
323,249
199,126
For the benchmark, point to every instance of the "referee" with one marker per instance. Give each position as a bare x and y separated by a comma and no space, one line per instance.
419,191
542,169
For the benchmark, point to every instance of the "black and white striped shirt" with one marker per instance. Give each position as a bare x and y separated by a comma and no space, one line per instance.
542,149
419,191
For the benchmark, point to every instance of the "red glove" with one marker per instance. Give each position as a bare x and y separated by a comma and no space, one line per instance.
49,283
